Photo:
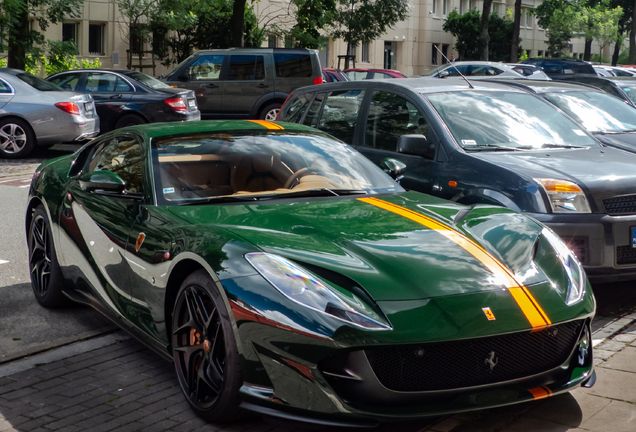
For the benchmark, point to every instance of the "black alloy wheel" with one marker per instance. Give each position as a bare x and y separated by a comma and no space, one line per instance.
204,350
46,275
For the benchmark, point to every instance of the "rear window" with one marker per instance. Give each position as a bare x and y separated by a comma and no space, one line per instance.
293,65
38,83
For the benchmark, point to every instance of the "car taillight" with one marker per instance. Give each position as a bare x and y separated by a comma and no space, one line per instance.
318,80
177,104
69,107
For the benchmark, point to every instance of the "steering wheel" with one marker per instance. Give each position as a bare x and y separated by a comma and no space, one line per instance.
291,181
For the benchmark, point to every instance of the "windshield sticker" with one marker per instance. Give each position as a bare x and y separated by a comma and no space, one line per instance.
627,89
168,190
469,142
579,132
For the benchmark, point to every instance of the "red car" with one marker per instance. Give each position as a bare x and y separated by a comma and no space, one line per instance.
364,73
333,75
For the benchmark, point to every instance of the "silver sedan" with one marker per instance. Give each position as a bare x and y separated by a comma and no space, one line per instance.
35,112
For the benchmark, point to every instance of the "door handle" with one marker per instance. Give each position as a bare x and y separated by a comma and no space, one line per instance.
211,86
261,85
115,96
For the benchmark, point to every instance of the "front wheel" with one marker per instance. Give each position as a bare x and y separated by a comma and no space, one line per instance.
270,112
204,350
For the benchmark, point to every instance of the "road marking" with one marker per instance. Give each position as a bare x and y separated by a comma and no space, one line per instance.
3,262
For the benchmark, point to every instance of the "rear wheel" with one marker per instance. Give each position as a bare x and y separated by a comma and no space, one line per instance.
129,120
270,112
46,276
204,350
16,138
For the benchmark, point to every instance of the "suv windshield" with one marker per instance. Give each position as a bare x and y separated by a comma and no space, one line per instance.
222,167
38,83
147,80
598,112
506,121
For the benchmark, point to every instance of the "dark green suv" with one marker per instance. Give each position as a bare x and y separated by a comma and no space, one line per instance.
243,83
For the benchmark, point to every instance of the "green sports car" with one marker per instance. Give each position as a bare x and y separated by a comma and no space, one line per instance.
284,273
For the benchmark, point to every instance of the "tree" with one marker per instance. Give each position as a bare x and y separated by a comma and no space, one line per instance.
14,25
311,17
483,31
560,19
356,21
514,46
137,14
601,23
465,28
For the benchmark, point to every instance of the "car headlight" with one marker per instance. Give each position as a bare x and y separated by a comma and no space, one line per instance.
571,264
306,289
565,196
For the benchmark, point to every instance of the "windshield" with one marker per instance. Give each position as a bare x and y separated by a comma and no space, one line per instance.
597,112
630,91
223,167
147,80
506,121
38,83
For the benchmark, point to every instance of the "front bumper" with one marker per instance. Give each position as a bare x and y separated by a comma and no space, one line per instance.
602,243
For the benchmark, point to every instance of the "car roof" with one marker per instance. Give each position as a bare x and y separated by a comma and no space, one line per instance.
554,86
153,130
420,85
563,59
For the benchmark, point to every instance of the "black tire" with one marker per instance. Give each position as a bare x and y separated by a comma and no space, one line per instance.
270,112
204,350
16,138
47,280
129,120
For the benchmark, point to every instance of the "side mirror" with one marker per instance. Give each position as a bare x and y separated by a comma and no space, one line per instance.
416,145
393,168
443,74
102,181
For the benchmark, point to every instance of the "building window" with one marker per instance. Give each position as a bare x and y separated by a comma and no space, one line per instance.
528,18
289,41
444,53
69,32
365,52
96,39
461,6
434,54
444,7
471,4
352,50
272,41
434,7
539,53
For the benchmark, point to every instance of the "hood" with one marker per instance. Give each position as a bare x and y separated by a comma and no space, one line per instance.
602,172
389,255
623,140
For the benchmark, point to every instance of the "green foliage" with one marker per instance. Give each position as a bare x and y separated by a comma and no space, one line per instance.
600,23
311,17
465,28
356,21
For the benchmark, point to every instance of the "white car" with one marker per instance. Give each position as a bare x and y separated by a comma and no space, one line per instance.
474,69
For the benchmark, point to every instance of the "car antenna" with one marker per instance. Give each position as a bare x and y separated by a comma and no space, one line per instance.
451,63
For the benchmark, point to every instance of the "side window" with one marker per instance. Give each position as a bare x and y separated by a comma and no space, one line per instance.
121,155
312,114
293,65
4,87
340,113
297,108
391,116
67,81
207,67
106,83
356,75
463,69
246,68
382,75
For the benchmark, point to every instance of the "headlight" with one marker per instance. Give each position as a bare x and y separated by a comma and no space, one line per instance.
565,196
572,266
306,289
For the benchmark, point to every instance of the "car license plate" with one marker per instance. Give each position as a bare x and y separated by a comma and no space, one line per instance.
88,107
634,237
191,103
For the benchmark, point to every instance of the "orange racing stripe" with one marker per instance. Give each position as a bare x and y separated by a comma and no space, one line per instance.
540,392
268,124
526,301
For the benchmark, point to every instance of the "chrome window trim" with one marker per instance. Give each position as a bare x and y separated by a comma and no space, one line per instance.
10,86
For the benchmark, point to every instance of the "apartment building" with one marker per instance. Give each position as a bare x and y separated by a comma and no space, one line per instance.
409,46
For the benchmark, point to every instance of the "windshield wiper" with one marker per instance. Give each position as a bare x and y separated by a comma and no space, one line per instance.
266,197
553,145
492,147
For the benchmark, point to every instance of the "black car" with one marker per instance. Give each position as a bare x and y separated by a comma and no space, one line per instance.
128,98
623,88
560,68
606,117
490,144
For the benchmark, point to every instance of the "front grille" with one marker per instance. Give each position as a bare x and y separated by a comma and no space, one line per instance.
622,205
625,255
451,365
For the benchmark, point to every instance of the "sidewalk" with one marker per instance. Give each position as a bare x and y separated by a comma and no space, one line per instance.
113,383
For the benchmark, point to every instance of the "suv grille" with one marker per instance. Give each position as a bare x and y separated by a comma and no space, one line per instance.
625,255
622,205
451,365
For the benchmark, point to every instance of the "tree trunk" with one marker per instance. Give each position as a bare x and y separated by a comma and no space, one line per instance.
587,54
514,47
18,36
617,50
483,31
237,23
346,66
632,38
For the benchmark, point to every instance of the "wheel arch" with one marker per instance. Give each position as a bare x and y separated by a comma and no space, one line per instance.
34,203
276,97
123,114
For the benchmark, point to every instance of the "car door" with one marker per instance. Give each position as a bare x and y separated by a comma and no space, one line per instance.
111,93
390,115
102,221
245,83
339,113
